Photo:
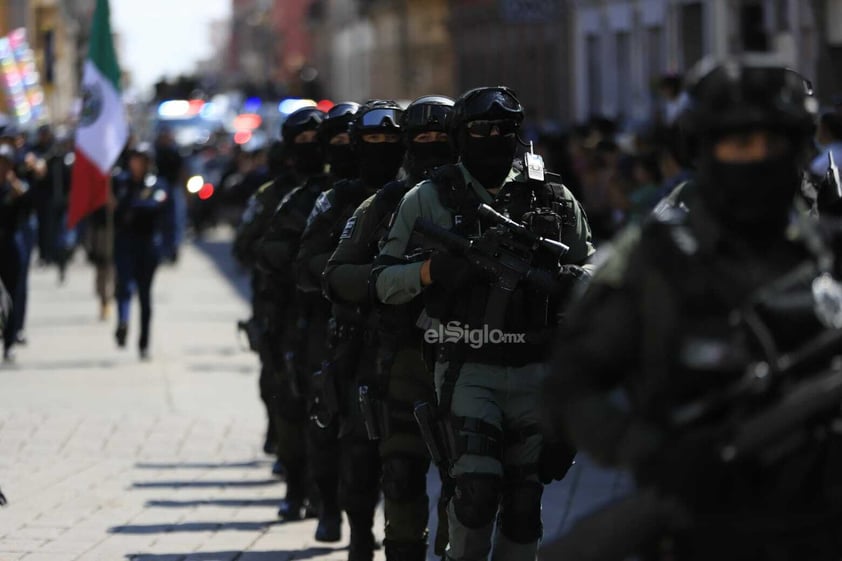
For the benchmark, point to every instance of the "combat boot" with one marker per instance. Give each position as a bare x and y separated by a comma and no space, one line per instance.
292,506
362,544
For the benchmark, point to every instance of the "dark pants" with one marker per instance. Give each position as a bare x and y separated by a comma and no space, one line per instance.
10,275
25,239
135,261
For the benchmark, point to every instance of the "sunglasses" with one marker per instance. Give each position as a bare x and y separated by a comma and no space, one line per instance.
381,118
485,128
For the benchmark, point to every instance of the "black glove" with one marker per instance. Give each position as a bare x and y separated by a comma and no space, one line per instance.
452,272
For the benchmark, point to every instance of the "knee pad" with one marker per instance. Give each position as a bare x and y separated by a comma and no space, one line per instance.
476,499
404,478
521,513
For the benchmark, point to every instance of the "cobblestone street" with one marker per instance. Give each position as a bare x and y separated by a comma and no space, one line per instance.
105,457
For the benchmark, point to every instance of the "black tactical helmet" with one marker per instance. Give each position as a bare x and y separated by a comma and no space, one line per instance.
486,103
427,113
306,119
377,116
745,92
337,120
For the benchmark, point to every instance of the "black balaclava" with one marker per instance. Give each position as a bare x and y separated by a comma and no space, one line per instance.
341,160
752,198
424,156
489,159
307,157
379,162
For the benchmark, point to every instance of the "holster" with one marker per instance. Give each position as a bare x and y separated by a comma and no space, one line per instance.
325,404
435,432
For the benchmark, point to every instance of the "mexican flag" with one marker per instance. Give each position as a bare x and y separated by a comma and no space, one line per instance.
103,130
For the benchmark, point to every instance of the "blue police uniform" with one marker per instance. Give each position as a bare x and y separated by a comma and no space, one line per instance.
137,247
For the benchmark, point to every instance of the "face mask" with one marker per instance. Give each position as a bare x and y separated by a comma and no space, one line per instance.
307,157
341,160
489,159
379,162
754,198
424,156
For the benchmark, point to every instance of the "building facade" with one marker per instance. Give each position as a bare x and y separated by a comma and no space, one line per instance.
621,47
394,49
523,44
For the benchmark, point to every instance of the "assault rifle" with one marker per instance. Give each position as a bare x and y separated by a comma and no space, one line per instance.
503,254
775,407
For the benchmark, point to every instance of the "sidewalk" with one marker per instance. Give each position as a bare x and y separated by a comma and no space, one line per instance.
105,457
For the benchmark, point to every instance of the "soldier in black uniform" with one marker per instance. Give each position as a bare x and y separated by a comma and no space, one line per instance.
262,326
323,225
379,150
698,309
402,377
276,257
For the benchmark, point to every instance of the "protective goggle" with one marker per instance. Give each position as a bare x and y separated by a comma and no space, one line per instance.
380,118
342,110
505,127
427,116
486,100
302,118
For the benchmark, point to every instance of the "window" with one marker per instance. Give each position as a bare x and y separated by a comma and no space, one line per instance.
692,37
625,88
593,53
752,29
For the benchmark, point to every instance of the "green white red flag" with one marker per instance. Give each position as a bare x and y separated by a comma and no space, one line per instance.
103,129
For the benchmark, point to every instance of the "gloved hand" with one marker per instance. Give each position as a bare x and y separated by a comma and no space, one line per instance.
450,271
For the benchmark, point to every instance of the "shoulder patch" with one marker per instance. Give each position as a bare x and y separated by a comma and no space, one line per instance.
322,206
348,230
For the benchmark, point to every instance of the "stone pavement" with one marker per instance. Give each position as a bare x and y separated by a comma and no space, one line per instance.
104,457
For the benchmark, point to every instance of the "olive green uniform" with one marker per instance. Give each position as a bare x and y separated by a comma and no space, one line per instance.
402,377
492,390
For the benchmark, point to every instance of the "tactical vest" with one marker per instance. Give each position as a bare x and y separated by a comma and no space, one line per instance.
543,207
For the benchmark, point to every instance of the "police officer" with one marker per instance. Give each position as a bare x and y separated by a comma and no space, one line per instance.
402,377
14,207
488,392
139,205
670,318
253,224
276,254
378,150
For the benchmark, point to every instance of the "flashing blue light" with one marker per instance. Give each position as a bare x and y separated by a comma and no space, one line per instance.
252,105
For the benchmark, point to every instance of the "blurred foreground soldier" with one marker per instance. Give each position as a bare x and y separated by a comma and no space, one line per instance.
378,150
488,389
701,355
14,209
139,206
401,376
262,327
276,255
